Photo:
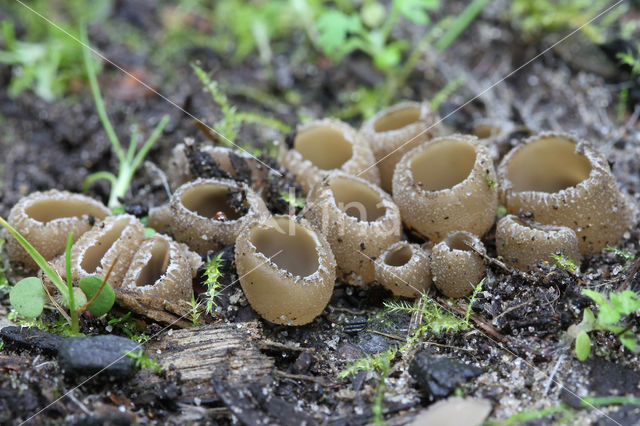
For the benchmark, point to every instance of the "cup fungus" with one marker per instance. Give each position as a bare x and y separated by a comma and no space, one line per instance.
113,241
456,267
163,268
404,269
359,220
565,182
208,214
325,145
46,219
446,184
286,269
523,243
396,130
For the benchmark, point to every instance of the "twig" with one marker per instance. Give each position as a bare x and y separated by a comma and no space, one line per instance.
268,344
553,373
390,336
486,327
302,377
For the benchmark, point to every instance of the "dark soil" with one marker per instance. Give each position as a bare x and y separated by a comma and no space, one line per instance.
518,334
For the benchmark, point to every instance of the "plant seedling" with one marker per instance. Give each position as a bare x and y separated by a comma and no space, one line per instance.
609,318
28,295
143,360
212,275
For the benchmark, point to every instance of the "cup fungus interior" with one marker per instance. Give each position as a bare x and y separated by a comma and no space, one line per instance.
459,241
290,246
207,200
324,146
156,266
399,257
443,164
93,255
548,164
397,119
47,210
357,199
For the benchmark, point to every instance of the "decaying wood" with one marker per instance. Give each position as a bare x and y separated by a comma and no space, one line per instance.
225,351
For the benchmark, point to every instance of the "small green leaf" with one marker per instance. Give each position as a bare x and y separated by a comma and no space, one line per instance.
629,341
608,315
79,298
148,232
105,300
333,29
27,297
583,345
595,296
588,319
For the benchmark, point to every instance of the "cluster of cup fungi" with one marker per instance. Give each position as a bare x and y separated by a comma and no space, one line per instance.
367,190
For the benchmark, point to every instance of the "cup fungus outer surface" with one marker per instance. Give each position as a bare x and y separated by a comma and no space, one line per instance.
45,220
404,269
396,130
523,243
286,269
326,145
446,184
113,241
163,268
455,267
359,221
203,218
565,182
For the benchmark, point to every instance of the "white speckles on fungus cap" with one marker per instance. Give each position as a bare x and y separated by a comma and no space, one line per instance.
359,220
45,220
457,268
325,145
204,218
404,269
446,184
286,269
394,131
523,243
565,182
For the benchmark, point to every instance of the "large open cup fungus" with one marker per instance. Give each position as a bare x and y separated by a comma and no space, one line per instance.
404,269
208,214
325,145
564,182
163,268
446,184
359,220
286,269
456,267
394,131
46,219
523,243
109,245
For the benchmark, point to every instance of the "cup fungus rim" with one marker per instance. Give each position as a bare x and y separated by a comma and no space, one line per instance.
59,195
349,134
423,114
395,247
301,225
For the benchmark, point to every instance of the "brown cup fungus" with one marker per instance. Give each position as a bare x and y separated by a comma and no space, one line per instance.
457,268
523,243
163,268
208,214
565,182
404,269
326,145
446,184
45,220
286,269
110,244
396,130
359,220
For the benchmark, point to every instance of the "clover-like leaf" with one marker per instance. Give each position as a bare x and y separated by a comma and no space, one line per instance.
416,10
334,28
103,303
608,315
27,297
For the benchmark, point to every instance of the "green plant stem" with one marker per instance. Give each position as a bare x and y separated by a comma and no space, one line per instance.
75,325
462,21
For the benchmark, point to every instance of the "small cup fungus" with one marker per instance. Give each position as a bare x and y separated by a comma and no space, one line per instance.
359,220
523,243
208,214
446,184
457,268
163,268
396,130
110,244
46,219
286,269
404,269
325,145
565,182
